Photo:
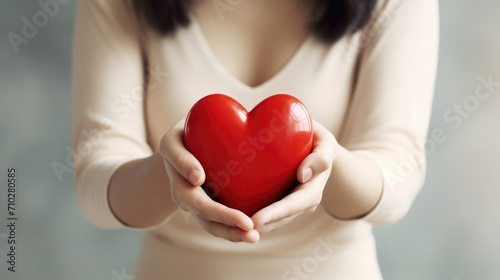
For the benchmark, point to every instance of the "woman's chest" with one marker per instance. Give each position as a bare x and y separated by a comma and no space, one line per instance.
183,70
254,40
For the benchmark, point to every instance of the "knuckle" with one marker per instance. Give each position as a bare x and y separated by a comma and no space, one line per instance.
168,136
317,201
163,145
310,209
332,138
200,203
328,136
323,164
171,136
182,163
173,130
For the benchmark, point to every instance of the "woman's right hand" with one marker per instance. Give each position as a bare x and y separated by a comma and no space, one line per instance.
186,176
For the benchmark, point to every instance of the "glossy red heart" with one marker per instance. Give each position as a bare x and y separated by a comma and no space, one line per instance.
250,158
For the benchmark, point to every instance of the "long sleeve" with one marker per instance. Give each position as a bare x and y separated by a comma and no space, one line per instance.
391,105
108,121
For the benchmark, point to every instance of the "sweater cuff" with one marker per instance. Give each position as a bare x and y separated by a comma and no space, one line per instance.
393,202
92,190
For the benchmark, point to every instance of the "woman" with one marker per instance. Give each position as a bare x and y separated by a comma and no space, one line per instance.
365,70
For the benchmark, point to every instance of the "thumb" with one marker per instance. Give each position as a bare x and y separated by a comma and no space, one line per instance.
173,151
325,150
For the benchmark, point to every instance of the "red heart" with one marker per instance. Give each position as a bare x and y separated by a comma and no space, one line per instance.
250,158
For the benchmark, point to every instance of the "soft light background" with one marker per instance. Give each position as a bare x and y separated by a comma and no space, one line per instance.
452,231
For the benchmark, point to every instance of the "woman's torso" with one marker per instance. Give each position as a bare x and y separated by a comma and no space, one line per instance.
213,55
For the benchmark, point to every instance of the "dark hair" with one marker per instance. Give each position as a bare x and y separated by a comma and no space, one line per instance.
331,19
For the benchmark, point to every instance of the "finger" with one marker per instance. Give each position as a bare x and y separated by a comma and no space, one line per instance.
319,160
196,201
214,211
173,150
233,234
279,223
301,200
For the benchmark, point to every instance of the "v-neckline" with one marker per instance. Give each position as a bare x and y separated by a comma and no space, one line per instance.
218,66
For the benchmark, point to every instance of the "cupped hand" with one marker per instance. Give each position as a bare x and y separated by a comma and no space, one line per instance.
312,174
186,176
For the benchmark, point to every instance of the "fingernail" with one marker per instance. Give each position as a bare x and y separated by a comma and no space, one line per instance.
307,174
194,176
249,239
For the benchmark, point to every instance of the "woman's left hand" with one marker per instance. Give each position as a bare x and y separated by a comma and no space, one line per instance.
312,173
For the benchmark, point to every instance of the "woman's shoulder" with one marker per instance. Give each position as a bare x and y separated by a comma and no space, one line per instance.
387,8
404,13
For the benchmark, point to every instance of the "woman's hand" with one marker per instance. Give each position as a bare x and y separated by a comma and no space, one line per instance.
186,176
313,173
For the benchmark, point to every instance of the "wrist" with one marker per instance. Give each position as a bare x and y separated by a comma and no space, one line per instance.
354,188
139,192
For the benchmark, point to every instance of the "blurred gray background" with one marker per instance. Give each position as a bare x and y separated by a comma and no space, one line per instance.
452,231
